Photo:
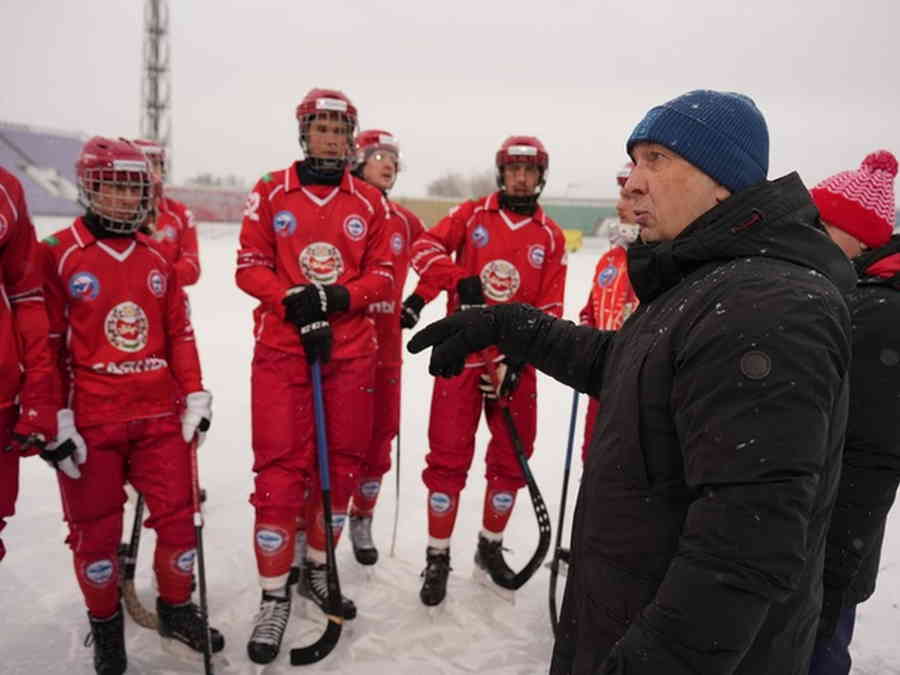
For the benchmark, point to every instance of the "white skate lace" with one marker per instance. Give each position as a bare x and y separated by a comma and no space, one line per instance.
270,621
361,533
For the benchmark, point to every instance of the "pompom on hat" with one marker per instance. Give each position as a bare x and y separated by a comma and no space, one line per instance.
861,202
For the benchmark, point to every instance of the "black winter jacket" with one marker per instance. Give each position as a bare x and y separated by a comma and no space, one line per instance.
871,465
699,532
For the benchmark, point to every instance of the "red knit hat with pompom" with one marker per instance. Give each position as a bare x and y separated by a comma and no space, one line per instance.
861,202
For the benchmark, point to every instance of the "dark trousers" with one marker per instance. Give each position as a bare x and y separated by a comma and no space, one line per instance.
832,656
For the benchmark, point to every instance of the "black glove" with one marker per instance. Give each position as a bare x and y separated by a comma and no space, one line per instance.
470,293
308,307
412,307
471,330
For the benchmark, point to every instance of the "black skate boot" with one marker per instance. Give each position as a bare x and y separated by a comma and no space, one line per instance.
268,625
489,558
313,586
361,536
437,569
108,638
182,625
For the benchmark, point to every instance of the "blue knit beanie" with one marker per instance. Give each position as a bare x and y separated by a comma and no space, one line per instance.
721,133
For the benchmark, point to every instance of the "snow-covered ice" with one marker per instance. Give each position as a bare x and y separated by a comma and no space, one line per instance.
43,623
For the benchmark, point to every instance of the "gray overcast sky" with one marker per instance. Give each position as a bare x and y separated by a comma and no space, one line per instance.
452,79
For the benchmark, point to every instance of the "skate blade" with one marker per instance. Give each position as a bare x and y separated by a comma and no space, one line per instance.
368,572
435,612
184,653
484,579
563,567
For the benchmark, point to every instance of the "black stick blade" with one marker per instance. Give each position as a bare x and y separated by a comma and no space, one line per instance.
304,656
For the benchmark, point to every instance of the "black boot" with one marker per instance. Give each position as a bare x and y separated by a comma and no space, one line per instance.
437,569
184,624
108,638
361,537
489,557
268,626
313,586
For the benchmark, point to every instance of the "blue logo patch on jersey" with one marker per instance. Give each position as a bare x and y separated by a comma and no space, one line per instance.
99,573
536,256
355,227
440,503
480,236
606,276
284,223
397,243
84,286
156,282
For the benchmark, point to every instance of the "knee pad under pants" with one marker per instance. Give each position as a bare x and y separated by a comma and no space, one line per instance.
385,422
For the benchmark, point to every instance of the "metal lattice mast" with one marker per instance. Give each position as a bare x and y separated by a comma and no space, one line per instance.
156,90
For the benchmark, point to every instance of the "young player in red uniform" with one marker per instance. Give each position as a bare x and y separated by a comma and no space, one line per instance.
377,163
27,412
171,223
315,251
612,299
119,327
497,249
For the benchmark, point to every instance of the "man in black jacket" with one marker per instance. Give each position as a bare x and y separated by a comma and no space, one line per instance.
857,208
699,532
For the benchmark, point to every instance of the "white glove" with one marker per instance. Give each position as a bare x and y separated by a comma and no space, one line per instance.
68,451
197,416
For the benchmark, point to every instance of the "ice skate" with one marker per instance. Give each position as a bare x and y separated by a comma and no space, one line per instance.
437,569
181,631
299,557
361,536
313,585
108,639
268,626
491,568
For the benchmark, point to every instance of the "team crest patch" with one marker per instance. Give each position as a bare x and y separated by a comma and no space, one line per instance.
500,280
284,223
270,540
355,227
480,236
440,503
536,256
397,243
321,262
370,489
99,573
184,563
607,275
127,327
84,286
156,282
502,501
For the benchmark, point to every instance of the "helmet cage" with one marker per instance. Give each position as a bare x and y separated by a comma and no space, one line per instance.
530,155
114,210
331,108
368,143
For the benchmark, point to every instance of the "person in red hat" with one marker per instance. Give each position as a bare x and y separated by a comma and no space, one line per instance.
494,250
315,251
612,298
857,209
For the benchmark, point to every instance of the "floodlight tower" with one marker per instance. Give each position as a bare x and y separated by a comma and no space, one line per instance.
155,92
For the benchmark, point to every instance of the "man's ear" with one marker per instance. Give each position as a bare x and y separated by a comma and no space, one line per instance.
722,193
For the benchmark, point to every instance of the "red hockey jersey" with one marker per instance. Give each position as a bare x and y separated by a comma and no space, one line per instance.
26,366
176,237
518,258
612,299
120,324
404,227
294,234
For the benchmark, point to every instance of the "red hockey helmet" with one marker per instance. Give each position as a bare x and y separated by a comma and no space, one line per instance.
370,140
155,153
523,150
115,183
328,102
